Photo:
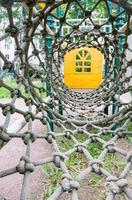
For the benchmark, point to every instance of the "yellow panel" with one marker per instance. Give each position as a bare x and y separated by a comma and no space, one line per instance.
41,5
90,79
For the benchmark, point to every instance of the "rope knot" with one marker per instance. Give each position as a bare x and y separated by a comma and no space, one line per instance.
18,52
65,183
40,14
8,108
75,185
30,3
23,66
58,158
35,52
28,116
25,165
67,176
79,147
120,133
8,66
29,136
68,184
104,131
27,23
129,157
43,120
49,137
110,147
94,138
68,134
80,130
130,116
41,90
26,39
58,123
13,30
28,101
96,165
16,92
39,108
3,135
116,185
122,183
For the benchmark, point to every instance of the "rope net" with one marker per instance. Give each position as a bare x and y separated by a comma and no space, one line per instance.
100,116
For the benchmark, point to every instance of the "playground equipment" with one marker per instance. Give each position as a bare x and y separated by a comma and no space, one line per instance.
83,113
83,68
41,5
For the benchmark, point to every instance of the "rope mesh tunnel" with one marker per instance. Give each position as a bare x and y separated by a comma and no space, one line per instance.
39,53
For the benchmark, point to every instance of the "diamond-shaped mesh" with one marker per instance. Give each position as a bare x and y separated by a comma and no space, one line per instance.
82,120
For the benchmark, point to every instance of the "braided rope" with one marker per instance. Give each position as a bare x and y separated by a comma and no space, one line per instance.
82,111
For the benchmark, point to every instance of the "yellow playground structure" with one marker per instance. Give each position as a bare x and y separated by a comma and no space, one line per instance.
83,68
41,5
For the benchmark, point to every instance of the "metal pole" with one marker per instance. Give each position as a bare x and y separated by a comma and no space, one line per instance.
119,24
106,109
48,86
59,14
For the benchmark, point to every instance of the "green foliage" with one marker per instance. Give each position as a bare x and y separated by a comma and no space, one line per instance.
54,175
129,128
95,149
29,72
94,131
94,178
65,144
106,137
17,13
3,13
129,138
4,93
99,11
77,162
113,163
11,82
81,137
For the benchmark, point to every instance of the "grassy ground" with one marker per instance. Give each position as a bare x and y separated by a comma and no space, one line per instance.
77,162
4,93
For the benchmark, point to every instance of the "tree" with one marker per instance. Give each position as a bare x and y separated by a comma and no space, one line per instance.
75,11
16,9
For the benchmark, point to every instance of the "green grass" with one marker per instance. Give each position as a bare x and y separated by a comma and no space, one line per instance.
106,137
94,179
5,93
77,162
129,138
54,175
113,163
95,149
94,131
81,137
65,144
